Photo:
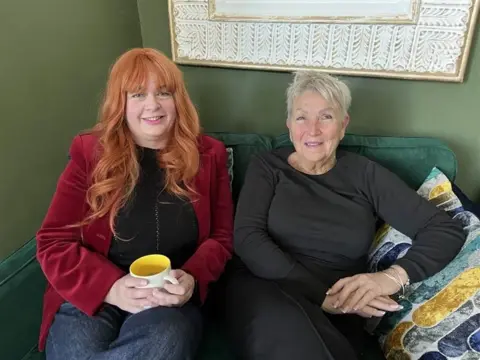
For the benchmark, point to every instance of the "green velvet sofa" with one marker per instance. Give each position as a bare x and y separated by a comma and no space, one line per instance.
22,282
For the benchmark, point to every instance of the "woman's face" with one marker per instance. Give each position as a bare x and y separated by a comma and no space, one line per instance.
316,127
150,115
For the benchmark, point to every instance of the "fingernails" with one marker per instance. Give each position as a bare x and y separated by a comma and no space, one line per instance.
336,304
382,313
399,307
328,292
144,283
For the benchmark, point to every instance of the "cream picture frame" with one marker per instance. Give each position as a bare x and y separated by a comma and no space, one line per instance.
430,42
348,11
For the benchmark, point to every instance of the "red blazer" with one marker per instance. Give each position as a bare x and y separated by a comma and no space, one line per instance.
75,260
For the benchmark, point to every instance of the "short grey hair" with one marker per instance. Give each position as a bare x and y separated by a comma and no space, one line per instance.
333,90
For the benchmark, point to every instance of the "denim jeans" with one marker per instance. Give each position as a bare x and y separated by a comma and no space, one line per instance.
156,333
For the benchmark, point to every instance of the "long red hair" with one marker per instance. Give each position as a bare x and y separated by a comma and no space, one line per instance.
117,169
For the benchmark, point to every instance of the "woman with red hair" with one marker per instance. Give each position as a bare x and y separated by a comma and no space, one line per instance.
143,181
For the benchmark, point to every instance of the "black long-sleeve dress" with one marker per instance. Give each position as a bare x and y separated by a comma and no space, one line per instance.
297,234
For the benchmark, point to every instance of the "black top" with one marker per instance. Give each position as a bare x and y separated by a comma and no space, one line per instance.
308,231
153,221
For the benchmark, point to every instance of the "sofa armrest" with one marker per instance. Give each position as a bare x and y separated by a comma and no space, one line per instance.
22,285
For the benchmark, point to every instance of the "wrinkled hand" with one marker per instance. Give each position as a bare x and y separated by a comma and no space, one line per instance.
174,295
357,291
378,307
125,295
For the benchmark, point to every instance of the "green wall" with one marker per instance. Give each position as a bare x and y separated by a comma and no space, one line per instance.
253,101
54,63
54,60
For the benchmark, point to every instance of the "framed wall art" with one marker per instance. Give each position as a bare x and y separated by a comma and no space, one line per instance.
409,39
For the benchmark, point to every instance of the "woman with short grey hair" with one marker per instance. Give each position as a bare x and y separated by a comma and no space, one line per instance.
335,92
305,220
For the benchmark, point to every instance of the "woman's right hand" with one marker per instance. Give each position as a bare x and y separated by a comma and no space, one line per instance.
377,307
126,295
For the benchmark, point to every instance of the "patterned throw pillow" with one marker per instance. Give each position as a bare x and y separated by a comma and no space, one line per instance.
441,315
230,165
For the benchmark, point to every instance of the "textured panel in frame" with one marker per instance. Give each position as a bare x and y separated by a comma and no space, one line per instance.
435,47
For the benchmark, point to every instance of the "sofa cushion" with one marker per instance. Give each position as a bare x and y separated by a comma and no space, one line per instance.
411,158
441,315
467,203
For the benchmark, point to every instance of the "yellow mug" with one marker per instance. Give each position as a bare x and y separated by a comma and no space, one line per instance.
154,268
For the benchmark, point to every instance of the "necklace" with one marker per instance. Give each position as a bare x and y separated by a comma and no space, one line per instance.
157,227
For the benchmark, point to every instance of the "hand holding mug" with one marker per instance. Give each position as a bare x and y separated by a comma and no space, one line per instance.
171,287
126,294
155,268
175,295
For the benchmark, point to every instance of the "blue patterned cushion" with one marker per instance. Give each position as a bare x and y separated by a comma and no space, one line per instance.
441,315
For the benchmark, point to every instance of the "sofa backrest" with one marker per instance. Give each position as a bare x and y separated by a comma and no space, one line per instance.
243,146
411,158
22,283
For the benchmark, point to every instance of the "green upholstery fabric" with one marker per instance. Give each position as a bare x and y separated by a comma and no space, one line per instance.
22,282
21,293
34,355
411,158
244,146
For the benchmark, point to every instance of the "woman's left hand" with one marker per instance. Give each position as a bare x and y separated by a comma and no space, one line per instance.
175,295
357,291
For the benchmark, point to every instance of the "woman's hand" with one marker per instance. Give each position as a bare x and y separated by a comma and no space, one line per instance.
125,295
174,295
377,307
356,292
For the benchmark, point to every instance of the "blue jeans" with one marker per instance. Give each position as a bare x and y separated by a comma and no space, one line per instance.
156,333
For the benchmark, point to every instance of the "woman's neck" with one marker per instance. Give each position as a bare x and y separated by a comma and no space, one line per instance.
155,144
312,167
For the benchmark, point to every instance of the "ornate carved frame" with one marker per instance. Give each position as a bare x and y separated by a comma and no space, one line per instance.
434,47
